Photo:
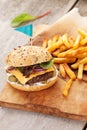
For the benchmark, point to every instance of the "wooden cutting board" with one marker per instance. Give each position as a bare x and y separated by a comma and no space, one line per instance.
49,101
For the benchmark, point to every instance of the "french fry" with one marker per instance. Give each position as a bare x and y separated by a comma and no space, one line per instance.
69,72
82,33
67,86
55,45
55,38
65,40
64,60
80,56
63,54
62,48
62,71
71,41
55,53
85,67
76,44
49,43
44,45
81,61
84,41
72,53
80,72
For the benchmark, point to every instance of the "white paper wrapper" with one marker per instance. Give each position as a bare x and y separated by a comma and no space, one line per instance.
69,23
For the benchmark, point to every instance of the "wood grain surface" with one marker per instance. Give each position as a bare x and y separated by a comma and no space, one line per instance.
15,119
49,101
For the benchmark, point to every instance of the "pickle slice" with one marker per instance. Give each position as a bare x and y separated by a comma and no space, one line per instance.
12,78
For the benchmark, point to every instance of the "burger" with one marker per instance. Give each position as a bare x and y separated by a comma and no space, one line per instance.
30,68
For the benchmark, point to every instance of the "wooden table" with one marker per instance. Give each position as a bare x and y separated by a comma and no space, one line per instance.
21,120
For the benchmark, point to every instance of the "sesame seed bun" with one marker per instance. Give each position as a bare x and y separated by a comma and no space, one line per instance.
27,55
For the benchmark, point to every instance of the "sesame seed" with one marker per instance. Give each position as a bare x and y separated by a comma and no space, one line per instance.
19,46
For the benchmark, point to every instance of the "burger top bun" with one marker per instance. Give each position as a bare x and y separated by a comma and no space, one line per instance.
27,55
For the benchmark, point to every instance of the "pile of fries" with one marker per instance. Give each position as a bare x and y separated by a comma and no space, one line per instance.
70,54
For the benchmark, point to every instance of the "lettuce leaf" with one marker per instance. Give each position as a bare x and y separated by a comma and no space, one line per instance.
47,65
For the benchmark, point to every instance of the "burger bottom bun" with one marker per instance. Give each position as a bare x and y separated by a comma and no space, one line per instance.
36,87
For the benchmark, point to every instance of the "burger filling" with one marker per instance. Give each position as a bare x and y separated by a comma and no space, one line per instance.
31,74
39,78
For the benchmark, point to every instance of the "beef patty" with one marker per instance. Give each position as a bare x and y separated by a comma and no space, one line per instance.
42,77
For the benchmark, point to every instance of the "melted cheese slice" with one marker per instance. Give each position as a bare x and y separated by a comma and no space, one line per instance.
22,79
